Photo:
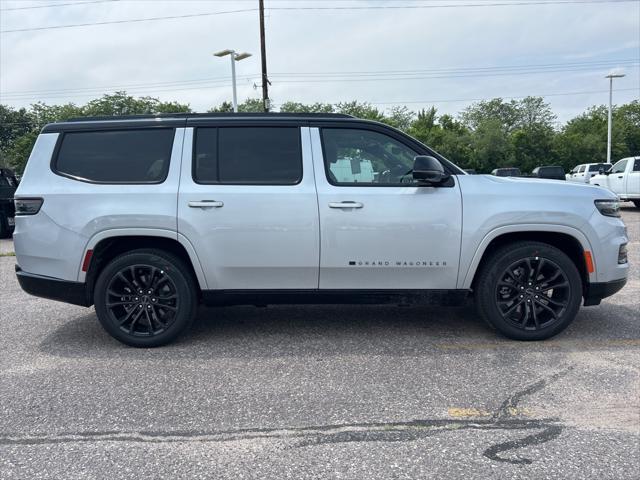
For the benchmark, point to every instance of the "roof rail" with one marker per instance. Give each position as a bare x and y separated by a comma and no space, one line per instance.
208,115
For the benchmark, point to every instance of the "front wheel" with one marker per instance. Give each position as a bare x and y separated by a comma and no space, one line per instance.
529,291
145,298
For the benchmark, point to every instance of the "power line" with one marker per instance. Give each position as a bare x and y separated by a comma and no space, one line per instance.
134,20
466,5
562,94
33,7
318,8
378,75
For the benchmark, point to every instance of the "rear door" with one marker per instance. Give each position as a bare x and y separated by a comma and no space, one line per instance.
379,230
247,203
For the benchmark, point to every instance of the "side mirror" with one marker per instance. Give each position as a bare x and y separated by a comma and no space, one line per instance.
428,170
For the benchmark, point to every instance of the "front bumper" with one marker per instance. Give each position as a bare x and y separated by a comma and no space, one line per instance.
595,292
53,288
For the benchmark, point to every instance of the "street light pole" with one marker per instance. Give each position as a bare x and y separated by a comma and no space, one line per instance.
235,57
611,76
233,82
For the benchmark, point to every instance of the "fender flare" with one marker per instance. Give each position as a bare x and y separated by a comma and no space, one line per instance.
147,232
520,228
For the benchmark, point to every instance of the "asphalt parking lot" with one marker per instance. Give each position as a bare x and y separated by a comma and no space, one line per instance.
320,392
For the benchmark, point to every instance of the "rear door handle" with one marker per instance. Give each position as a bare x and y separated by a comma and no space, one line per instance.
206,204
345,205
621,176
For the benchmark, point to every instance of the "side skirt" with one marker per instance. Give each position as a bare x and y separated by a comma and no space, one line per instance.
448,298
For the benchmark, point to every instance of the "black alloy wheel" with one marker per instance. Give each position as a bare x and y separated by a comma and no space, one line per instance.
142,300
146,298
533,293
528,290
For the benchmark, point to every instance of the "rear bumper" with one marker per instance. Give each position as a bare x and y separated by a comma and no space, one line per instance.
595,292
53,288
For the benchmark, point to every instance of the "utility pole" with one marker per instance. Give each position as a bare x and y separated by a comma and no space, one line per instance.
263,54
611,76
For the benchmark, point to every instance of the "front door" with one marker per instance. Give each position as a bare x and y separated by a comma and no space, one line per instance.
379,230
616,177
247,203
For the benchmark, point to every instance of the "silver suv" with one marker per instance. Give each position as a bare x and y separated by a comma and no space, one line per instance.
145,217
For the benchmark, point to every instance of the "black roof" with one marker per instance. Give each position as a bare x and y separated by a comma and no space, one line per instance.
212,115
184,119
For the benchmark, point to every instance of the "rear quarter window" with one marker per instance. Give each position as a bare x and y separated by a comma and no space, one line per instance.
116,156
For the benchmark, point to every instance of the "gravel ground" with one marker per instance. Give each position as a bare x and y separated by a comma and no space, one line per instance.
320,392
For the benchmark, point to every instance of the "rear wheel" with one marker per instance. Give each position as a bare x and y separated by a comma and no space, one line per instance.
529,291
145,298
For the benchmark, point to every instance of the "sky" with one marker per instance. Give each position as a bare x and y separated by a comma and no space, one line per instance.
418,53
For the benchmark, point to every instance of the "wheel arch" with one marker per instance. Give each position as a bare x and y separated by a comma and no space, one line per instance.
108,244
570,240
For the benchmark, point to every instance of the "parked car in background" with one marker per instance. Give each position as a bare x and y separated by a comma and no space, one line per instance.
583,173
8,184
145,217
507,172
551,172
623,179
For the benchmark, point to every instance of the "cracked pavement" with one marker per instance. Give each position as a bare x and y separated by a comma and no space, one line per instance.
320,392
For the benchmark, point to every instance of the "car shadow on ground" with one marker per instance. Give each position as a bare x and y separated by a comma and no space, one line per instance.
311,330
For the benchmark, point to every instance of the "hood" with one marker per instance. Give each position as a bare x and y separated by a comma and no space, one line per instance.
543,186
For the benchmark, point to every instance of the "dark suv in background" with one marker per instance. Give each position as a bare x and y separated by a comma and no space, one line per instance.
8,185
553,172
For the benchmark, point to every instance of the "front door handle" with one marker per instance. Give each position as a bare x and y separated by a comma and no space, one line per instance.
621,176
206,204
345,205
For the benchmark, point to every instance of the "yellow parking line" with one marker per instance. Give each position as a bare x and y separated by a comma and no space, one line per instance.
457,412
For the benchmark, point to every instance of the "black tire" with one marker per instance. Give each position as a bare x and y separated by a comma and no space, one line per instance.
5,231
636,203
165,289
512,291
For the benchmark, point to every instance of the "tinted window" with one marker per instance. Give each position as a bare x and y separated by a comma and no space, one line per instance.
636,165
248,155
365,157
122,156
597,167
4,182
619,167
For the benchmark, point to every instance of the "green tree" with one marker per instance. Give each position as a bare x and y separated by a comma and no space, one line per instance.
120,103
360,110
14,123
297,107
500,114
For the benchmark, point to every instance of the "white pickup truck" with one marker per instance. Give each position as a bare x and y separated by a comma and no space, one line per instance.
623,179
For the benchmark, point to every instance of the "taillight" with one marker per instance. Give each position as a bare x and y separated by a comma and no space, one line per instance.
27,206
622,254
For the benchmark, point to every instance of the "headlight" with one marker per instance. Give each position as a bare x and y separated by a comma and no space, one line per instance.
609,208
